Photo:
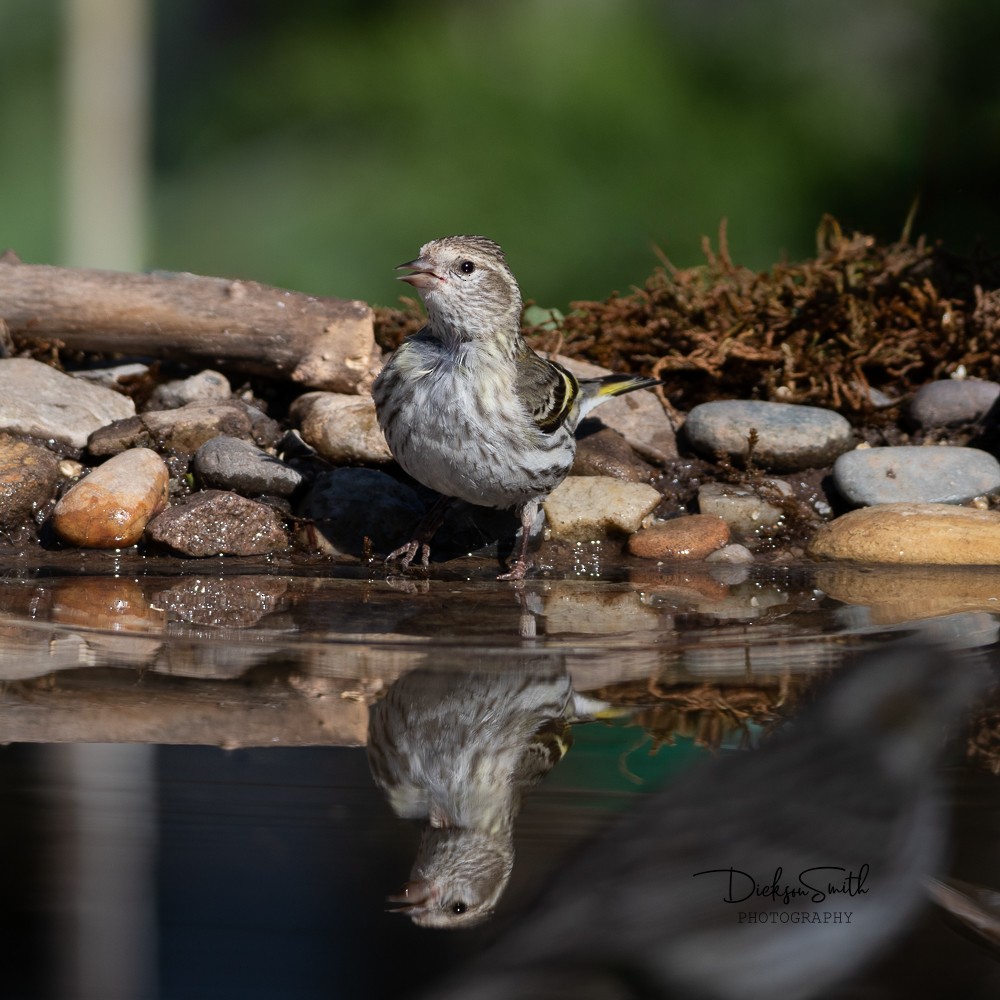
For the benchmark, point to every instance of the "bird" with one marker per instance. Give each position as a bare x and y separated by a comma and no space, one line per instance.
467,408
457,749
774,872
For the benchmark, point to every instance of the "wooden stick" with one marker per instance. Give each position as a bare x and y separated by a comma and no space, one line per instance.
323,343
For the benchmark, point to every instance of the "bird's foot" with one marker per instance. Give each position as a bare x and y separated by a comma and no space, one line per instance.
517,570
406,553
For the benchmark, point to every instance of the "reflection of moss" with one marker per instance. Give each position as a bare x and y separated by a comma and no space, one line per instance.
709,714
858,314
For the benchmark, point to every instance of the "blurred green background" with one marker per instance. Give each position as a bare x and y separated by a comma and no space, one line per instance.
314,144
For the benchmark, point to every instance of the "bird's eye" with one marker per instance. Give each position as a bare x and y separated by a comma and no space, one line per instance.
467,267
458,908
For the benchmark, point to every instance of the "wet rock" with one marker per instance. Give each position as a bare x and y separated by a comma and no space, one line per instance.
691,537
869,476
28,478
581,508
742,508
789,437
44,403
950,402
205,387
111,507
119,436
105,602
637,416
733,554
607,453
934,534
343,429
229,463
215,523
346,505
184,430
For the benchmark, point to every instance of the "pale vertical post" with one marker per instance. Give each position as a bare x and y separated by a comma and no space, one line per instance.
106,109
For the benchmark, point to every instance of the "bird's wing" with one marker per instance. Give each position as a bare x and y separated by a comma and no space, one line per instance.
547,389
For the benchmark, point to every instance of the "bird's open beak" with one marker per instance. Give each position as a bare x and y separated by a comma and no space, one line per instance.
423,273
414,896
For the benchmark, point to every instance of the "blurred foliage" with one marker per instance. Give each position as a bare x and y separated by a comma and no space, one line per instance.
315,144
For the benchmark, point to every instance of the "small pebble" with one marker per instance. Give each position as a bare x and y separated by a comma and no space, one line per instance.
935,534
950,402
582,508
215,523
110,508
205,387
691,537
909,474
733,553
789,436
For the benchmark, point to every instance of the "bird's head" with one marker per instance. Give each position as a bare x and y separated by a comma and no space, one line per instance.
457,879
469,290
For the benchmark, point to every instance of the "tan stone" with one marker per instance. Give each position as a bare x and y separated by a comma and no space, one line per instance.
912,533
692,537
582,508
343,429
111,507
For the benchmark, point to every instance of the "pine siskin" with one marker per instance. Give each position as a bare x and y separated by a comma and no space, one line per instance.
467,408
457,749
844,800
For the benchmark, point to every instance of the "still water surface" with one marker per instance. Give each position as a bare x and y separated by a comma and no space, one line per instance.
187,798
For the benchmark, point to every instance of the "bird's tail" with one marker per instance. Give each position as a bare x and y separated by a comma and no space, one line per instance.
594,391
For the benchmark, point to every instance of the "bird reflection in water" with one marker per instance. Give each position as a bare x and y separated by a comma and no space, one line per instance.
845,797
457,749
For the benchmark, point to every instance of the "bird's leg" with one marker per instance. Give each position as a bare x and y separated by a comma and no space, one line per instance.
421,541
520,565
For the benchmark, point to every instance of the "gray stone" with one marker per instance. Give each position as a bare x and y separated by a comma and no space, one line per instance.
868,476
28,478
214,523
347,505
115,375
789,436
44,403
952,401
229,463
205,387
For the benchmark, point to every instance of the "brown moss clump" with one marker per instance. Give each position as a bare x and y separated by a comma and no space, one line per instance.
821,331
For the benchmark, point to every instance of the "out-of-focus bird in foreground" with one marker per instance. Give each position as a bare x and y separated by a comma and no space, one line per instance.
770,873
467,408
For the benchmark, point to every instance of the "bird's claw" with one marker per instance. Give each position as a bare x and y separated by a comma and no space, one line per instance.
406,553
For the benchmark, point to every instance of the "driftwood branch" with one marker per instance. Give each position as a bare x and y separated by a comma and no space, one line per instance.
323,343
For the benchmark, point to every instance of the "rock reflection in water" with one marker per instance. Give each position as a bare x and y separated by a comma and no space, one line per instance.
702,891
457,749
